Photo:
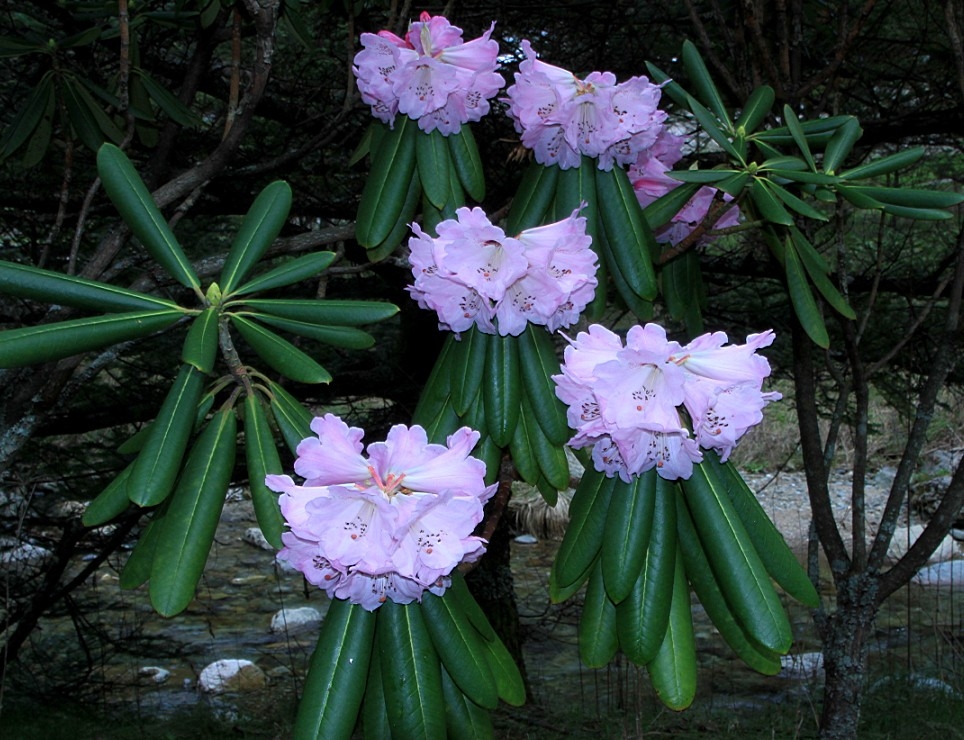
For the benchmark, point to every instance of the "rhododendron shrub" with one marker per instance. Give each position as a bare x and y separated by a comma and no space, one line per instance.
391,525
624,400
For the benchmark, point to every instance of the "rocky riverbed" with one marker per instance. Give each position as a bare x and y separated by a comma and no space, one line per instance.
261,622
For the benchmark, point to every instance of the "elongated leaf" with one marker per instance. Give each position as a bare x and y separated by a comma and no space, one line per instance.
293,419
673,670
538,363
464,718
802,298
769,208
436,393
201,344
793,202
260,228
520,446
468,163
818,271
533,198
374,719
662,210
293,271
384,194
587,521
629,237
780,562
668,86
755,111
129,195
553,464
702,82
810,178
840,144
433,160
137,569
85,123
280,354
710,125
919,214
35,344
337,673
736,565
626,537
683,290
911,198
885,165
702,177
799,137
818,131
192,517
159,461
468,367
262,459
597,624
57,288
170,104
502,388
858,198
700,575
109,503
334,313
337,336
402,227
460,648
411,674
38,103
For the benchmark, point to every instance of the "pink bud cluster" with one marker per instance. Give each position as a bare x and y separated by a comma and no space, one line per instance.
472,273
650,181
430,75
562,117
391,525
624,400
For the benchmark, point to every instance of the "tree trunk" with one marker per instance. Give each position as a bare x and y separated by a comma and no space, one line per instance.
845,634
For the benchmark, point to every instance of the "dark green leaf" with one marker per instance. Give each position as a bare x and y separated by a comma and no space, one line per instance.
885,165
261,457
468,163
280,354
188,528
767,205
35,344
434,161
109,503
170,104
201,344
337,336
159,461
384,194
702,177
662,210
293,419
334,313
712,128
533,197
702,82
40,101
818,271
910,198
57,288
793,202
756,109
802,298
130,196
287,273
840,144
799,137
260,228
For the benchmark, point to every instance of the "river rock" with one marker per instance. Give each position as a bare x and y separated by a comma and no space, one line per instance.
948,573
295,620
801,665
254,536
231,674
153,673
904,537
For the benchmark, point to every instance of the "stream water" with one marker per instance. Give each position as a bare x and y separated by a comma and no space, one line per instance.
919,632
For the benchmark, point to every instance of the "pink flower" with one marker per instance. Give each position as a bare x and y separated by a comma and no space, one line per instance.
472,273
562,117
388,526
650,181
430,75
624,400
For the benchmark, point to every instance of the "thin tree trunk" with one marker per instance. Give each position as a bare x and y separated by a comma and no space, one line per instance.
845,634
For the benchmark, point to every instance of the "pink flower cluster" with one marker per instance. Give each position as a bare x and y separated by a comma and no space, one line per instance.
562,117
650,181
430,75
624,400
388,526
474,274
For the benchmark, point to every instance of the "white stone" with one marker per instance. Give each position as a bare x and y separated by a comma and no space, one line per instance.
801,665
906,536
154,673
230,674
527,539
948,573
254,536
295,620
